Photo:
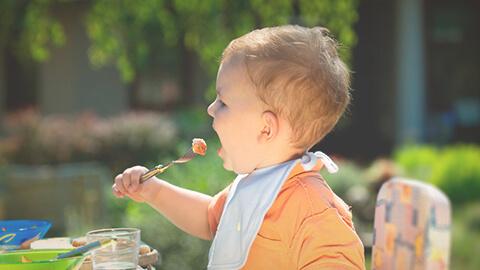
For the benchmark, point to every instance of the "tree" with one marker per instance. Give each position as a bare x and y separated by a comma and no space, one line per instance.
138,36
29,27
27,32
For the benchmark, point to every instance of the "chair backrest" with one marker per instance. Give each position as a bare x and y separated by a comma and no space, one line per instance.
412,227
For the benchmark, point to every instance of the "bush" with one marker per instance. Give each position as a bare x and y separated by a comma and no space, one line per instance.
348,176
465,238
457,172
135,138
32,139
417,161
193,121
118,142
453,169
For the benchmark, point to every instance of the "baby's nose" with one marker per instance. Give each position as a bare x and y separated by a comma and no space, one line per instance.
210,109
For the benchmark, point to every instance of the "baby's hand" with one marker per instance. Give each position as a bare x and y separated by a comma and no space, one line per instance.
128,184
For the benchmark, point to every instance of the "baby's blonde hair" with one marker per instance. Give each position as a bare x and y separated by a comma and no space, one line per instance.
298,74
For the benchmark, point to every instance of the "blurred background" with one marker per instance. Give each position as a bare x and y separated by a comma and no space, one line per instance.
90,87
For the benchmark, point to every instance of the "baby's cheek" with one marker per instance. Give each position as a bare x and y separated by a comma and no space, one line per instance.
224,123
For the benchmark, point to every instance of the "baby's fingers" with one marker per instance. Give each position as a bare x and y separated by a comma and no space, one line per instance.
116,192
119,185
135,177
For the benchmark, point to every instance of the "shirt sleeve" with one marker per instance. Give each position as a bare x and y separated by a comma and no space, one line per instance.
215,209
325,241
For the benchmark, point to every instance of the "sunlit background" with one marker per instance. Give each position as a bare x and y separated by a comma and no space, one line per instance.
88,88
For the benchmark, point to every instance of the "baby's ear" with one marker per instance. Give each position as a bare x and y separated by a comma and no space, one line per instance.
270,126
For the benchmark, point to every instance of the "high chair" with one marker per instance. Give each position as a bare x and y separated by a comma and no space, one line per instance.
411,227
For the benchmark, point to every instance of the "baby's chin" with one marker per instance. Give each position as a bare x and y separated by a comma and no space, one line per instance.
230,166
240,170
227,165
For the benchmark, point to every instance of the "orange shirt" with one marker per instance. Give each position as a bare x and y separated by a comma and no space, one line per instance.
307,227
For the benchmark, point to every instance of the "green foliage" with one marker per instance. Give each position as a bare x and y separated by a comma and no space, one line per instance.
30,28
348,176
453,169
7,18
138,38
41,30
457,172
417,160
465,238
130,35
135,36
193,121
204,173
337,15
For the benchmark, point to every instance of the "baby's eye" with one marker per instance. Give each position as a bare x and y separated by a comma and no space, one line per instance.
221,102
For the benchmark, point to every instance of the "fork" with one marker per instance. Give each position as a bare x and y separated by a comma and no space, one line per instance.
198,148
189,155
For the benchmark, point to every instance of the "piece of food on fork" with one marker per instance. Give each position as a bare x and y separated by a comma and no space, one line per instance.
199,147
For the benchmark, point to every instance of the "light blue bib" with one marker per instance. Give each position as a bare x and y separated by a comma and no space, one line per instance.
248,200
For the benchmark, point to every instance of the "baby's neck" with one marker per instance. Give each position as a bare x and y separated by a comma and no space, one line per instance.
278,156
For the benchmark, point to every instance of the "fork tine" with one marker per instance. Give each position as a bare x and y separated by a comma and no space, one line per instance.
186,157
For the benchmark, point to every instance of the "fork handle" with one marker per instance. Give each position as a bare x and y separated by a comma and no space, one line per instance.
151,173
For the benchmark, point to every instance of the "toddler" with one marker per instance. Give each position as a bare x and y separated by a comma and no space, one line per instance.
280,90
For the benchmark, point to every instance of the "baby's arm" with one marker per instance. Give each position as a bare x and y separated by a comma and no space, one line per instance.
185,208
